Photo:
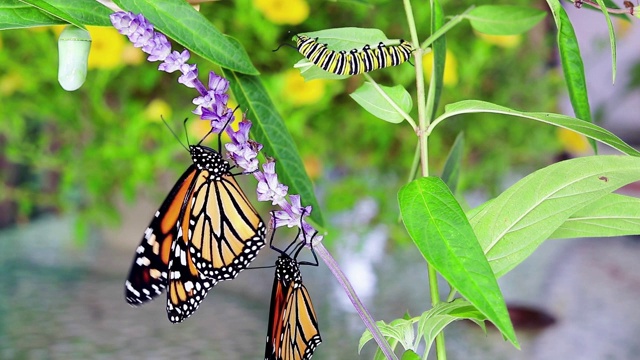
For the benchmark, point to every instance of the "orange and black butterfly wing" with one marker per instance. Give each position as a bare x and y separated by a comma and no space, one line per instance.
274,332
293,325
149,270
225,231
186,287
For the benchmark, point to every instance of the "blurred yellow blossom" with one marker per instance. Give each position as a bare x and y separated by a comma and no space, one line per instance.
107,46
10,83
572,142
450,68
300,92
156,109
132,55
313,166
505,41
290,12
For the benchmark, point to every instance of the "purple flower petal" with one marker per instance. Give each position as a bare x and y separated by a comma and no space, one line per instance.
217,84
174,61
269,189
158,48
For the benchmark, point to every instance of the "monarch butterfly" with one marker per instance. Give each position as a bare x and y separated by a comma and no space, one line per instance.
205,231
355,61
293,326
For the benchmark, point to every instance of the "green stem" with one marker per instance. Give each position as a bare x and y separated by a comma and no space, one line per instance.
423,122
446,27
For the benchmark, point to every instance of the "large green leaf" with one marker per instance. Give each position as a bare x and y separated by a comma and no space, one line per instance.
55,12
504,19
379,100
572,66
514,224
611,215
585,128
17,14
269,129
441,232
181,22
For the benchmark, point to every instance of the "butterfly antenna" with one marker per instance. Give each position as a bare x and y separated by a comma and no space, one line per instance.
174,133
223,128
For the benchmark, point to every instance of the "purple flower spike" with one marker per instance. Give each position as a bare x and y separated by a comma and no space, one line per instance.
291,214
219,116
269,189
242,150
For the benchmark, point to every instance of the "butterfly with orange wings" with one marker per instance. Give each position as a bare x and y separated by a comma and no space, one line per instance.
293,326
205,231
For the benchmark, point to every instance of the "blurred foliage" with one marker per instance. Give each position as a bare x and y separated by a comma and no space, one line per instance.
77,152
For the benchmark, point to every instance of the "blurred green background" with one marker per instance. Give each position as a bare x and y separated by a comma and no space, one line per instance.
77,152
83,172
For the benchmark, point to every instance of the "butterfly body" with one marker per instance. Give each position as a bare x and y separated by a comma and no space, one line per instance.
205,231
293,326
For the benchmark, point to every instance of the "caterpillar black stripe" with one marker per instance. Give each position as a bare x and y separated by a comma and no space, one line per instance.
355,61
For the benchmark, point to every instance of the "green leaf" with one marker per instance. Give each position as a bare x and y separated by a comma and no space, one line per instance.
515,223
399,330
310,71
441,232
572,66
439,48
86,12
582,127
181,22
54,12
378,104
451,170
410,355
611,215
612,38
432,322
504,19
269,129
15,14
348,38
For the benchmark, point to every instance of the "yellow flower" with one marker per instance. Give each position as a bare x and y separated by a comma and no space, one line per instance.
156,109
313,166
301,92
132,55
10,83
505,41
290,12
572,142
107,46
450,67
